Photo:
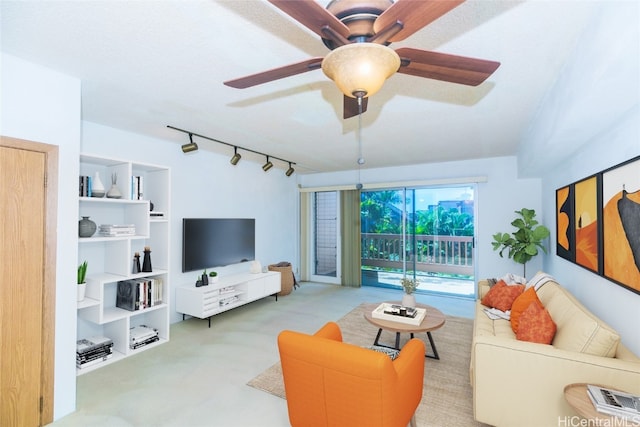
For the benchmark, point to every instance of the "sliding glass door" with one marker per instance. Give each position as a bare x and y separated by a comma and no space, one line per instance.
424,233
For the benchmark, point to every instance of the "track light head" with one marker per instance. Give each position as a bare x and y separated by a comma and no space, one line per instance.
267,165
290,171
191,146
236,157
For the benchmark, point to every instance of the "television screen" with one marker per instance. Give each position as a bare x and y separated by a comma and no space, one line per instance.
216,242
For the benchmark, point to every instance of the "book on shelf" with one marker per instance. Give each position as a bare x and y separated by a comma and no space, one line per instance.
117,230
142,335
139,294
93,350
84,189
94,361
137,188
614,402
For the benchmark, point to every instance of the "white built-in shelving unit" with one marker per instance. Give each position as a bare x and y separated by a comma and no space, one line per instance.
110,259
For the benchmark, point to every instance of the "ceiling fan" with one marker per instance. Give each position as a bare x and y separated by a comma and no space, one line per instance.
358,33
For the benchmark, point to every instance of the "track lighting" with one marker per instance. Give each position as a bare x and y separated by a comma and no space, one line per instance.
290,171
236,157
191,146
267,165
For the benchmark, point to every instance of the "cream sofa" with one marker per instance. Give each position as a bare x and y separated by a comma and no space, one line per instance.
518,383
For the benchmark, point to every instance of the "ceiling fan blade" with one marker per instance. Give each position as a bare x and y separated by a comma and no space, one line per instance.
313,16
350,106
275,74
445,67
413,15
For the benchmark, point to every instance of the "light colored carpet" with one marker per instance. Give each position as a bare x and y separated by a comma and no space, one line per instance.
446,397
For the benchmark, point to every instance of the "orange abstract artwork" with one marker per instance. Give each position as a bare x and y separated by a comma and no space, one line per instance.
619,263
586,223
563,218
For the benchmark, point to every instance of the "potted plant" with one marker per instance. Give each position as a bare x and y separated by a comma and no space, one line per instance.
409,286
213,277
523,243
82,282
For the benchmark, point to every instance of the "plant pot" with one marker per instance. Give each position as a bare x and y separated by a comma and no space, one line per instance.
409,300
82,288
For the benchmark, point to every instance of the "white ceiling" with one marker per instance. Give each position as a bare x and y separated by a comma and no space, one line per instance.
148,64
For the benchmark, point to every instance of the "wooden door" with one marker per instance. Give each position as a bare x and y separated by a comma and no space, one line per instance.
27,287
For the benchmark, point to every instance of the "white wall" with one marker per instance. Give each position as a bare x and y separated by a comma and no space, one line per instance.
497,199
41,105
588,122
614,304
205,184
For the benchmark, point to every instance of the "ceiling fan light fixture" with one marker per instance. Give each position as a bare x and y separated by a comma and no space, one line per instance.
359,68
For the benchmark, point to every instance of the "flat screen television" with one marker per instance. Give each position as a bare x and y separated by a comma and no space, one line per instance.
216,242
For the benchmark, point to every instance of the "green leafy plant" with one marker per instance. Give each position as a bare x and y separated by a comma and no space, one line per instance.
82,273
523,243
212,274
409,285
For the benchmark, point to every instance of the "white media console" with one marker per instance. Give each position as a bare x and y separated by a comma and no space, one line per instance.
227,293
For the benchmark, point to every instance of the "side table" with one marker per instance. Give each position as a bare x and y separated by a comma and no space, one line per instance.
577,397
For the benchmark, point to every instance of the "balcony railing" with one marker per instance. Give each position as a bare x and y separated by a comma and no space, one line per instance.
433,254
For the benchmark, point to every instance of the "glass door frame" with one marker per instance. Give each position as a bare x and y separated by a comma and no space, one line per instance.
312,239
408,229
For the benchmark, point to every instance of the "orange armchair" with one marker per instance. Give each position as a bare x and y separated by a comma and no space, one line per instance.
331,383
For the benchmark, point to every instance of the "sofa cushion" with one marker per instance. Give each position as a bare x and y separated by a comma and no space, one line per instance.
536,325
520,305
578,329
501,295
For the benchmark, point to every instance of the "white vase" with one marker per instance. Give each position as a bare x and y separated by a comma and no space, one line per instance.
97,187
408,300
82,288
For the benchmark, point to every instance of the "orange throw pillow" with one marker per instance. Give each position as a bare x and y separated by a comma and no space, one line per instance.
501,295
536,325
520,305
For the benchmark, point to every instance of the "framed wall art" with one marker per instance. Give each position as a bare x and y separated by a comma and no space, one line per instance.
564,223
598,223
621,224
586,223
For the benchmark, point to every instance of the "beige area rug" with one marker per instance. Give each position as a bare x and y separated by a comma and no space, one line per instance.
446,397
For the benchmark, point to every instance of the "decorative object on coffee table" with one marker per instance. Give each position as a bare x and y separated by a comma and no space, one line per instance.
409,286
114,192
86,227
